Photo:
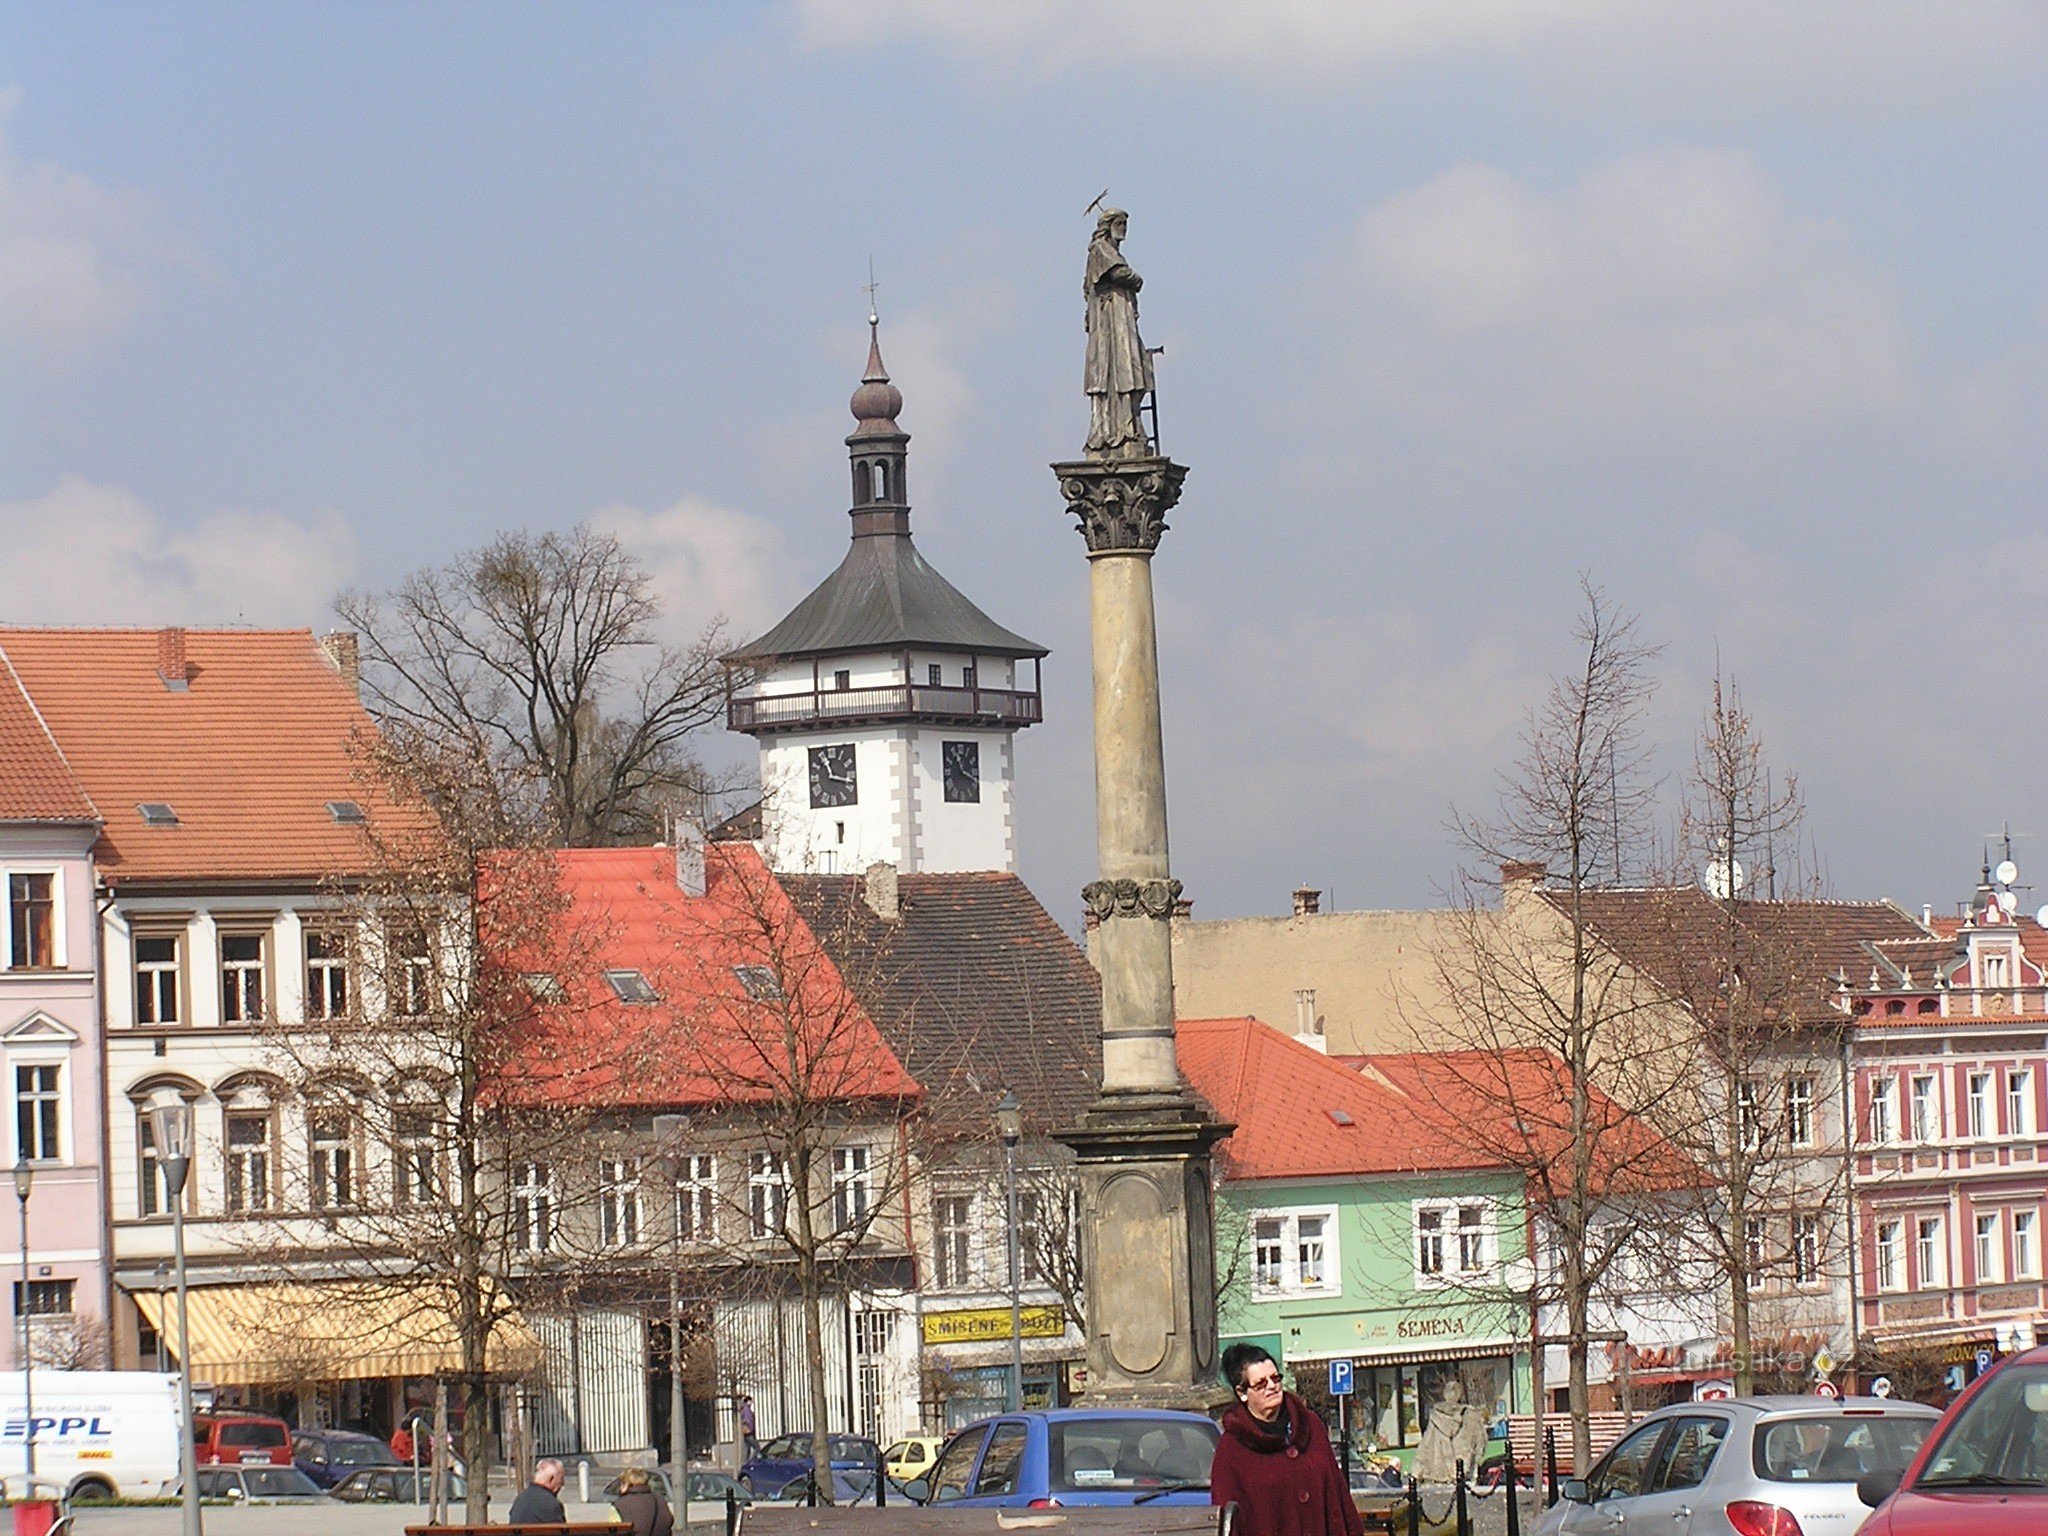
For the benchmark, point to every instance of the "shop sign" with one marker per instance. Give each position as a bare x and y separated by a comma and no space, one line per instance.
984,1325
1432,1328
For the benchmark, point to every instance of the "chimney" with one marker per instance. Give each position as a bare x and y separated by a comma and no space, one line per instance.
1519,879
1307,901
342,653
1927,915
880,891
170,659
689,835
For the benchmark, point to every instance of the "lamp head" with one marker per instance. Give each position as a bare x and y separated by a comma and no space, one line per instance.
1009,1118
24,1176
171,1126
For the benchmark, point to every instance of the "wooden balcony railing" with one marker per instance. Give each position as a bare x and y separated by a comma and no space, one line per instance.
896,701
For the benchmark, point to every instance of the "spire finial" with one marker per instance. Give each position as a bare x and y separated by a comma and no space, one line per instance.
874,316
876,402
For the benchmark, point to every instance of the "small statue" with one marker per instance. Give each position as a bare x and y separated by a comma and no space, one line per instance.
1455,1432
1118,375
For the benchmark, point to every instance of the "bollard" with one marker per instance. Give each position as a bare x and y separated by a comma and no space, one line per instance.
732,1514
1464,1517
1414,1508
881,1486
583,1481
1550,1456
1514,1498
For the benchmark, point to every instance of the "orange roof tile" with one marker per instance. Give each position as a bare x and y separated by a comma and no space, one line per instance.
35,782
247,755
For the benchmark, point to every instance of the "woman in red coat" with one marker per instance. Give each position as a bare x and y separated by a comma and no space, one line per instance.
1274,1460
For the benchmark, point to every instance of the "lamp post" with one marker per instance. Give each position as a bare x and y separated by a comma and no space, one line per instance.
669,1134
24,1177
1010,1124
171,1129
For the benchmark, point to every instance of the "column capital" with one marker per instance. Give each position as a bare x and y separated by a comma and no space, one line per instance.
1131,898
1121,504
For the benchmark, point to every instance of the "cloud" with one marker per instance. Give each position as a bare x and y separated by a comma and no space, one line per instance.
705,561
95,554
1818,50
1668,292
76,257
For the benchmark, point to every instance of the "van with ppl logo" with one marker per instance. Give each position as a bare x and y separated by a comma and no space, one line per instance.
98,1434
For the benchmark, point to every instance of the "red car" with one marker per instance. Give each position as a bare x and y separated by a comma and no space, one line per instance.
1984,1468
240,1439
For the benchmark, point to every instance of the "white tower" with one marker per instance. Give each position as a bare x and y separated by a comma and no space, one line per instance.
886,704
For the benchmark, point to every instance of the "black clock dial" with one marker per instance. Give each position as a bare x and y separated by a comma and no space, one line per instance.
832,780
961,761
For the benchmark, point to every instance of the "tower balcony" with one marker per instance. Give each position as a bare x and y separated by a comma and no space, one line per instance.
1003,708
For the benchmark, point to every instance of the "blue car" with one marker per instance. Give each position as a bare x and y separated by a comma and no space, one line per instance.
329,1455
1057,1456
787,1459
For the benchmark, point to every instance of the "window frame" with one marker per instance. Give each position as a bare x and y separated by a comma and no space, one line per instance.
2019,1101
953,1255
238,976
1884,1111
1888,1259
1930,1252
58,958
322,971
852,1188
534,1208
1294,1244
140,934
2026,1245
696,1185
767,1196
1800,1100
334,1162
1978,1113
1989,1252
618,1202
39,1111
1928,1128
1453,1234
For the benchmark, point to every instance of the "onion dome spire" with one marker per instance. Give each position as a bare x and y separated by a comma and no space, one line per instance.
878,448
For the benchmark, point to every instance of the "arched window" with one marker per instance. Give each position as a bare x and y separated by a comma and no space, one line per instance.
419,1132
249,1136
334,1148
878,481
152,1189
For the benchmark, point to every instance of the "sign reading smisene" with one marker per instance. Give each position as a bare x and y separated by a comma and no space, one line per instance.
984,1324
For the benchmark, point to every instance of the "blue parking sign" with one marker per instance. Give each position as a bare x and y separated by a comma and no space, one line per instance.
1340,1378
1984,1359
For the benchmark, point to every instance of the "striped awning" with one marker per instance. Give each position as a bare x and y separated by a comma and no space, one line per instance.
285,1334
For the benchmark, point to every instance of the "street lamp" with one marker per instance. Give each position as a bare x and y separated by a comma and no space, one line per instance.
1010,1125
670,1132
171,1129
24,1177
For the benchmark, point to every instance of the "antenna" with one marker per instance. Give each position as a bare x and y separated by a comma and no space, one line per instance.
874,317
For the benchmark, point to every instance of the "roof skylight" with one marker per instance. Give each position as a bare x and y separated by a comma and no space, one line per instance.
157,813
346,812
760,982
631,986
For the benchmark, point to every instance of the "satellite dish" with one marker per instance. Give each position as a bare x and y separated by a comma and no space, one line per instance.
1723,877
2006,873
2041,917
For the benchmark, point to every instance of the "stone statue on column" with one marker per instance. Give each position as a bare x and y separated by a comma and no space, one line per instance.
1118,372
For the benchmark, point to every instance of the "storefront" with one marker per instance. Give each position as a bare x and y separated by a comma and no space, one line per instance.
967,1360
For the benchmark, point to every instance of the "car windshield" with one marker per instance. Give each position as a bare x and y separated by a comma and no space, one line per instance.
1834,1448
1098,1454
2000,1439
252,1432
853,1448
361,1453
277,1482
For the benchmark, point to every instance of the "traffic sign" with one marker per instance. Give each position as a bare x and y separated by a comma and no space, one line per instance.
1984,1358
1882,1387
1826,1388
1340,1378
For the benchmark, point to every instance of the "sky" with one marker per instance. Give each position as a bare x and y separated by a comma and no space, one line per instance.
1739,309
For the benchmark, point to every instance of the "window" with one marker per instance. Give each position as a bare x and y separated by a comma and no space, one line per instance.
156,978
951,1251
2026,1257
36,1103
330,1131
767,1196
157,813
842,681
248,1158
1689,1454
410,961
2019,1103
1030,1236
241,977
1890,1274
1269,1248
1805,1249
1884,1111
1994,970
630,986
1474,1255
1454,1241
326,975
968,676
1926,1114
850,1189
618,1202
1001,1461
1756,1242
545,988
346,813
1799,1111
1750,1113
696,1198
533,1208
1980,1104
152,1193
1989,1266
1927,1252
416,1154
1308,1252
934,674
32,922
46,1298
1429,1242
760,981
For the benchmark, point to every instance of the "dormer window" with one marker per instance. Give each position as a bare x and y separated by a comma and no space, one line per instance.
157,813
346,813
1994,970
631,986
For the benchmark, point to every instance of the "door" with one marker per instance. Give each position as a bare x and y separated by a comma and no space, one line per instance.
950,1478
995,1480
1617,1481
1671,1491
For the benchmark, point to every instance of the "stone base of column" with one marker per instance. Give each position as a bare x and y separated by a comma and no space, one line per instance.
1149,1250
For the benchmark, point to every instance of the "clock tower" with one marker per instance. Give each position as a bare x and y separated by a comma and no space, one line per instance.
886,704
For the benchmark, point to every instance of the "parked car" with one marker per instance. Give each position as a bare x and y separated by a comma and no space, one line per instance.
1056,1456
787,1458
705,1486
260,1484
1983,1470
393,1485
329,1455
241,1439
912,1456
1751,1466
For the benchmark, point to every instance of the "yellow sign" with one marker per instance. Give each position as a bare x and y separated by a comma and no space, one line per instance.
988,1324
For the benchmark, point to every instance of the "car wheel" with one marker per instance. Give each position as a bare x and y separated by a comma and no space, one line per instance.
92,1491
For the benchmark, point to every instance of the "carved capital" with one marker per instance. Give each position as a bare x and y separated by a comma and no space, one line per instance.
1121,504
1130,898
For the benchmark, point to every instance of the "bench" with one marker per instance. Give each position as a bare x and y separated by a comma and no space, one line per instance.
918,1520
573,1528
1606,1428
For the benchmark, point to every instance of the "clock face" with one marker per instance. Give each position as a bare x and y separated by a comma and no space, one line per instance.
961,762
832,775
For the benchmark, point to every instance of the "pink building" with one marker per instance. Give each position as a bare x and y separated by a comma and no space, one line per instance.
1951,1160
50,1037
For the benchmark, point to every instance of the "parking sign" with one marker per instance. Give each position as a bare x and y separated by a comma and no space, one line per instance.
1340,1378
1984,1359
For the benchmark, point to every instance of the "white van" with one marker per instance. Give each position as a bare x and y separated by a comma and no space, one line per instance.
99,1434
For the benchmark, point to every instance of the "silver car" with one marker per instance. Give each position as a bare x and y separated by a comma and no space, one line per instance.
1750,1466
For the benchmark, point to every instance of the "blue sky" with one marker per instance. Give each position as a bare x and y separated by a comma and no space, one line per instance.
1742,308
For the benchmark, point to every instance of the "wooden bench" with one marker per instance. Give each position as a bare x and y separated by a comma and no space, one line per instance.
917,1520
573,1528
1528,1455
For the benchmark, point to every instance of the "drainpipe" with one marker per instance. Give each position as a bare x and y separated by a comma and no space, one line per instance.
104,901
1854,1245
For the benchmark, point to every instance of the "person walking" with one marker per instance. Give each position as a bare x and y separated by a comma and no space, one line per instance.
644,1514
748,1443
1274,1461
540,1502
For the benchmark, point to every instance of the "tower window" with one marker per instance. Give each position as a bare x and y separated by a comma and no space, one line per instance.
878,481
842,680
934,674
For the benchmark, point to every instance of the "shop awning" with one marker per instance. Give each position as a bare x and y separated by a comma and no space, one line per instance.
282,1334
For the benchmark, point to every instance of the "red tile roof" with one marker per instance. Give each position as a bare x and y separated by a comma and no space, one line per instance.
36,783
708,1039
247,755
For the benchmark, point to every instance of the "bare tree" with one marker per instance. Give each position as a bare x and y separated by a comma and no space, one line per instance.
537,655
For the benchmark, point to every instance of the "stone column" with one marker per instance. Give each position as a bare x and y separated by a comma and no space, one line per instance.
1148,1239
